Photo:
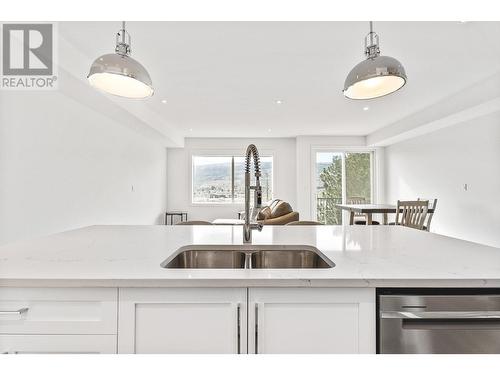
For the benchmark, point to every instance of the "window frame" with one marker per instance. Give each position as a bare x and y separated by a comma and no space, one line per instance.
231,154
374,173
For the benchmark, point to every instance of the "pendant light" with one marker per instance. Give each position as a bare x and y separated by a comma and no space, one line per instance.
118,73
377,75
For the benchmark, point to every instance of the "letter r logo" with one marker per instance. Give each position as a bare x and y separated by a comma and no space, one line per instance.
27,49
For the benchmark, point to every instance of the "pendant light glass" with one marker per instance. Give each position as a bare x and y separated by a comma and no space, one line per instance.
377,75
119,74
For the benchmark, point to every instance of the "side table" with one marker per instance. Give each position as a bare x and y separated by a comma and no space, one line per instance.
183,215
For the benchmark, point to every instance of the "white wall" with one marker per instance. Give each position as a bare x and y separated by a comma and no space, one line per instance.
437,165
63,165
179,172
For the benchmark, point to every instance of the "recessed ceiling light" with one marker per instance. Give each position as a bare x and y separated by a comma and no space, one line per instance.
366,108
279,101
164,101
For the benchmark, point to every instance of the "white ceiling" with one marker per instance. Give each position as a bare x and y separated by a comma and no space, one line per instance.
222,79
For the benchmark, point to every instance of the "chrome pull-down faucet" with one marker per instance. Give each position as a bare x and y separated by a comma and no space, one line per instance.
250,218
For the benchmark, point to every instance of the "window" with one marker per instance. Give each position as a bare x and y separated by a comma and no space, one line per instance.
221,179
341,177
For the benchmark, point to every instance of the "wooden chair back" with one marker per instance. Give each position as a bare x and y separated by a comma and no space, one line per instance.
412,214
427,225
357,200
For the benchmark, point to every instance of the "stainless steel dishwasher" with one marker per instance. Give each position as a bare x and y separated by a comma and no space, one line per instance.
450,321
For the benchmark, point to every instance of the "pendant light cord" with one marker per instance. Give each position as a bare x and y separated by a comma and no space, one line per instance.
371,31
123,47
123,31
371,43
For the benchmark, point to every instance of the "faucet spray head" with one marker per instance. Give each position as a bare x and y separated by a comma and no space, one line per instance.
252,151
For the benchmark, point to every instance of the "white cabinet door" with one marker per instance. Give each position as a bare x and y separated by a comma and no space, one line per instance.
182,320
311,320
57,344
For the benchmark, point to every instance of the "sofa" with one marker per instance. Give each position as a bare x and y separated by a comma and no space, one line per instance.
274,212
277,212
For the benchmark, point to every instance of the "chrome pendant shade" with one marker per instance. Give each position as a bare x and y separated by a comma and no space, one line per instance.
377,75
119,74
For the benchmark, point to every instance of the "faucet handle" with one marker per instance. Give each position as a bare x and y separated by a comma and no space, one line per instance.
258,199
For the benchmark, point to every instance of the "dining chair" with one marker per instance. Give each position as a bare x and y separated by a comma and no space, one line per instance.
194,222
427,225
304,222
356,200
412,214
363,220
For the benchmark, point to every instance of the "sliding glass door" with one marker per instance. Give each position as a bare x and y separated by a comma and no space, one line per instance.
329,187
341,177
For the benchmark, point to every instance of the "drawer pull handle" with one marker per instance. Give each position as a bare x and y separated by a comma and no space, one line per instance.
256,328
238,328
19,312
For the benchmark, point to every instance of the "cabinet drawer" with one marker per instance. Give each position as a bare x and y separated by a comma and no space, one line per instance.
57,344
58,310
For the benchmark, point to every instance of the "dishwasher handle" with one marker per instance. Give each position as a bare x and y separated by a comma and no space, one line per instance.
440,314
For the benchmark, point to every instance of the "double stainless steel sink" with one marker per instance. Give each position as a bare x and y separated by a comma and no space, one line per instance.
247,256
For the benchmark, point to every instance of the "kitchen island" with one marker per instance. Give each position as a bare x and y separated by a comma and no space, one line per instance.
101,289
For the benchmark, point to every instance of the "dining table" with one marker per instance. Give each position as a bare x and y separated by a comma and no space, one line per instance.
369,209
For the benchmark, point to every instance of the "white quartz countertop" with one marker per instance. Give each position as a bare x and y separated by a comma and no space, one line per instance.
369,256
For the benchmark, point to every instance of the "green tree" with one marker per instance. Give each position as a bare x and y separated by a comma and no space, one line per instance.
330,193
358,176
358,185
